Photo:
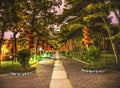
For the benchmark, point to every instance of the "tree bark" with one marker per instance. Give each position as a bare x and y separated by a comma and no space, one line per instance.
114,49
15,46
1,41
36,47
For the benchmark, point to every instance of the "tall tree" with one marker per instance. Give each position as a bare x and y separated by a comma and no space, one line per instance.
94,13
102,10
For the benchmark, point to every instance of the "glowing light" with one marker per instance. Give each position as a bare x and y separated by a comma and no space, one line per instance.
4,49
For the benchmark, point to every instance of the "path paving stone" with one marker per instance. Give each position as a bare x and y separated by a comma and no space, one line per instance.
40,79
59,77
80,79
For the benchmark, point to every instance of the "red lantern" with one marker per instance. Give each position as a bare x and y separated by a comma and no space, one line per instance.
31,40
87,29
31,46
31,37
86,36
86,42
30,33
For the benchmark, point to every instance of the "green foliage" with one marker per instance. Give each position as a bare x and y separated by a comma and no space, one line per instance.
7,66
92,55
23,57
66,53
94,16
96,7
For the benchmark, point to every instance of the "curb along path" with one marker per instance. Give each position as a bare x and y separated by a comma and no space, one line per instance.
59,77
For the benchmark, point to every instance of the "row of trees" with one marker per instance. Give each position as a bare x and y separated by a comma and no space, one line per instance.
94,15
39,16
27,15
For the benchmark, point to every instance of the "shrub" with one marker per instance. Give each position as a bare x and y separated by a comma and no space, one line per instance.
23,57
92,56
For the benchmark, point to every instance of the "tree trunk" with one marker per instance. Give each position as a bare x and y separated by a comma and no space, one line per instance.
15,46
113,47
1,41
112,44
37,43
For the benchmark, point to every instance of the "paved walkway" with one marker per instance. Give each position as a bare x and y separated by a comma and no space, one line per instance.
40,79
80,79
59,77
43,77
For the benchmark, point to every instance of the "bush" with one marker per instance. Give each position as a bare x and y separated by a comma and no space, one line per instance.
92,56
23,57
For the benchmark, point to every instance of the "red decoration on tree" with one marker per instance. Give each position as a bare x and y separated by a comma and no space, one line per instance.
31,46
31,37
86,36
31,40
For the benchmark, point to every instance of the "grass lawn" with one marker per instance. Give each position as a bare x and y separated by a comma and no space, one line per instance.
107,59
8,66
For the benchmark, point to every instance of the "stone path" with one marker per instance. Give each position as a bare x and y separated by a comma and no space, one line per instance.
40,79
59,77
80,79
51,75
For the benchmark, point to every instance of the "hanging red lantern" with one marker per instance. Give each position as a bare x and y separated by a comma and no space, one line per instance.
86,29
31,39
86,36
31,46
87,42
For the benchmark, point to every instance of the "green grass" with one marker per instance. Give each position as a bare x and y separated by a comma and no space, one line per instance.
8,66
107,59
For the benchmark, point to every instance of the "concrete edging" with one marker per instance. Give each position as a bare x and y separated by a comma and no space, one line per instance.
21,73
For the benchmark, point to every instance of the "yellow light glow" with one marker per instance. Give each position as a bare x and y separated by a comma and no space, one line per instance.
4,49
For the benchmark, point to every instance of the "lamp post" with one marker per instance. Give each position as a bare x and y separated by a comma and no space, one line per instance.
40,50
